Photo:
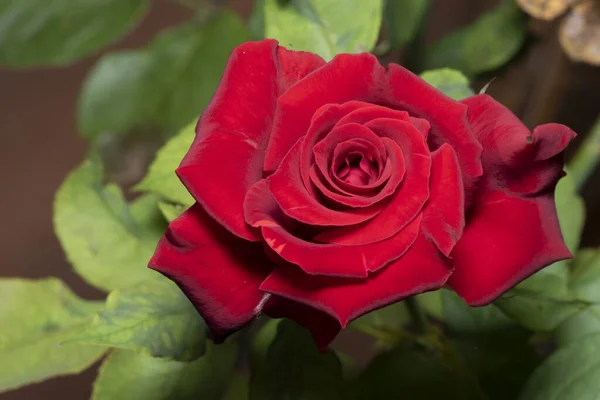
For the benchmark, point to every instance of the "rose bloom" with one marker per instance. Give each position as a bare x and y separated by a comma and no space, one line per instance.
327,190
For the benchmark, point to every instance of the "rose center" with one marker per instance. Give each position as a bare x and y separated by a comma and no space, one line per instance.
358,169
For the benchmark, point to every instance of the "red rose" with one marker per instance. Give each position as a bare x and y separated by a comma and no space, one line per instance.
327,190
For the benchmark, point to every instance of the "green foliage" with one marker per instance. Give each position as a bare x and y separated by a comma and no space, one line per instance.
324,27
403,18
295,369
386,324
573,372
487,44
161,178
107,241
153,317
170,210
411,374
167,84
36,316
127,375
451,82
58,32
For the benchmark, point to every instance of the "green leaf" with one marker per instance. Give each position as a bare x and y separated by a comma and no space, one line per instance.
571,211
167,84
257,20
451,82
127,375
387,324
573,372
403,18
495,349
584,285
170,210
405,373
324,27
585,280
462,318
123,90
194,61
487,44
161,178
295,369
35,317
541,302
263,340
58,32
154,318
238,388
107,241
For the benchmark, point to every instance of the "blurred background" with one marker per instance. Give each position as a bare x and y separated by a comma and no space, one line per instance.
40,144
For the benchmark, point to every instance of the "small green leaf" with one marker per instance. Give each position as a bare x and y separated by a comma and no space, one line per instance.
487,44
571,211
161,178
166,84
410,374
573,372
36,316
451,82
58,32
127,375
263,340
107,241
153,317
170,210
585,280
460,317
324,27
403,18
294,369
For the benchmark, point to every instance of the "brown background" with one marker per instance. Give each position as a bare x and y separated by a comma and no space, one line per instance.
39,143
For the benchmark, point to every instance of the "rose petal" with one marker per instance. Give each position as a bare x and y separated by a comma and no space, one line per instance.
506,240
408,198
335,83
515,159
322,259
295,65
288,190
236,125
448,118
219,272
366,114
444,214
322,327
421,269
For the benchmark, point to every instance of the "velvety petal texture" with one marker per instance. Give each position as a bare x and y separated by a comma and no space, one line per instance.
327,190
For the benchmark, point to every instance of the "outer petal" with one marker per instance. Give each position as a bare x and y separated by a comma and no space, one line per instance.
421,269
514,158
236,125
218,272
322,259
506,240
322,327
444,214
